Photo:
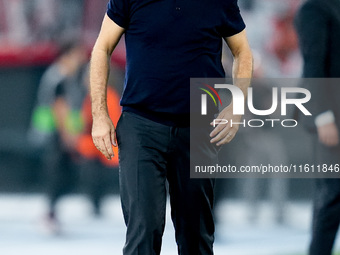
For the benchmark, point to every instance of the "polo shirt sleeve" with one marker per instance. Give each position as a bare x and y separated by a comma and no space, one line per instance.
232,22
117,10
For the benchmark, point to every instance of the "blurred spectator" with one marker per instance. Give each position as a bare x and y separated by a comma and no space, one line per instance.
284,41
282,45
57,123
272,37
24,21
30,30
318,26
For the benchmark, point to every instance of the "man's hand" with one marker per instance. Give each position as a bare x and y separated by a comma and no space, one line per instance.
328,134
103,135
224,133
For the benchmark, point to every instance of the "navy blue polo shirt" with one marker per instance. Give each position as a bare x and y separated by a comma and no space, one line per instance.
167,43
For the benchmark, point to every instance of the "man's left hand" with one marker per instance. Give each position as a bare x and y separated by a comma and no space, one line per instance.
224,133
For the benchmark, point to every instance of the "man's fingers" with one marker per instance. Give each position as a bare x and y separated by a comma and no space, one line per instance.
113,138
227,139
224,136
220,135
108,146
103,134
218,129
99,143
102,149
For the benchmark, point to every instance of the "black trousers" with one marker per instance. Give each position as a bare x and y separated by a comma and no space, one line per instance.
151,153
326,212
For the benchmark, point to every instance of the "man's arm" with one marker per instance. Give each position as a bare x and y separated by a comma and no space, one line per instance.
103,131
242,73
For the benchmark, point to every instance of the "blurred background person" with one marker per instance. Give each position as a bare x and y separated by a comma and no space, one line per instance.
318,26
41,20
57,122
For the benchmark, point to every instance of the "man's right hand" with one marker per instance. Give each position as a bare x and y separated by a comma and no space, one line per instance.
328,134
103,135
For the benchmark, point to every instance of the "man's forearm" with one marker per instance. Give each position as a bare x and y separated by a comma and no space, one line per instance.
103,131
243,70
99,73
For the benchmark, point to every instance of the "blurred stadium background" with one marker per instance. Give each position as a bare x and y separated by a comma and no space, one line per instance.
253,217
